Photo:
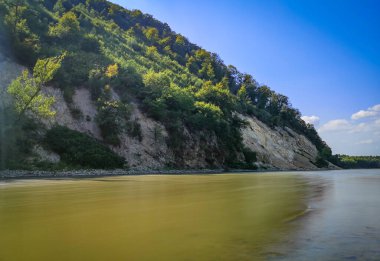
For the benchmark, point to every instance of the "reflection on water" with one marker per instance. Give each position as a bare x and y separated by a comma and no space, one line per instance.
291,216
345,220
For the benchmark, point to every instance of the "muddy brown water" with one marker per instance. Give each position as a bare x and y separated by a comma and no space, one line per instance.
330,215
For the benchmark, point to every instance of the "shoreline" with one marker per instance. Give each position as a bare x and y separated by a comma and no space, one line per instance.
91,173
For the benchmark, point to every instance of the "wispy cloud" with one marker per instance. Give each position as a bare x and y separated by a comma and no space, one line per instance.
369,141
358,135
376,107
336,125
370,112
311,119
361,127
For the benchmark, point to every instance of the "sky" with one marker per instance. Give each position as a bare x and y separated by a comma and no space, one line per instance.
324,55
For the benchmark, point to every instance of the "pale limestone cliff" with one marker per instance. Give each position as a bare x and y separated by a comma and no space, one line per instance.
280,148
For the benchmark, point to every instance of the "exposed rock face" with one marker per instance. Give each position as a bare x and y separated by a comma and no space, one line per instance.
278,148
200,151
81,101
152,152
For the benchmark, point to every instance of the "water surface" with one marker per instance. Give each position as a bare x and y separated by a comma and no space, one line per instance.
290,216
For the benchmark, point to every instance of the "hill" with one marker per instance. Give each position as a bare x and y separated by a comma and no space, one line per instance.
136,90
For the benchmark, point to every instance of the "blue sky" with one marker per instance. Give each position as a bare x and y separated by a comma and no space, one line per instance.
324,55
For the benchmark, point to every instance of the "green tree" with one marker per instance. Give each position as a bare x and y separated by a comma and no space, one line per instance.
263,95
207,115
14,18
217,95
25,43
26,89
156,82
111,120
151,34
67,26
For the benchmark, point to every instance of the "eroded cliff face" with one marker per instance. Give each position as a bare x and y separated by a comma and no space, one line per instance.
149,153
278,148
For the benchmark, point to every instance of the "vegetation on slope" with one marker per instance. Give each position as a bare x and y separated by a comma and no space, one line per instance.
79,149
177,83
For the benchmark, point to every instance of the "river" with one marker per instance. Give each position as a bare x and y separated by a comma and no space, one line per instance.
326,215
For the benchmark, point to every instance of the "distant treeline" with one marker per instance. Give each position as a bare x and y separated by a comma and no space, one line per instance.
357,162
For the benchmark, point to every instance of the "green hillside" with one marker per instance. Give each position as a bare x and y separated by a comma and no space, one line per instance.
174,81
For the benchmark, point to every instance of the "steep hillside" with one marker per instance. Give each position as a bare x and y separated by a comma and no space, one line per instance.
133,85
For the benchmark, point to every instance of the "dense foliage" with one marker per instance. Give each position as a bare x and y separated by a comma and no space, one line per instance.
26,90
357,162
176,82
79,149
16,140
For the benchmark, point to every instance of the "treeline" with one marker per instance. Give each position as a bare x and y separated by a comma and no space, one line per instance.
357,162
178,83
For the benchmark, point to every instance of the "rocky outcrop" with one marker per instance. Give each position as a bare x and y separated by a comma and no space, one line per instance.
152,151
149,153
281,148
84,121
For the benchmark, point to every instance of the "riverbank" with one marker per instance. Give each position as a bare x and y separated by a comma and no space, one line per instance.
22,174
90,173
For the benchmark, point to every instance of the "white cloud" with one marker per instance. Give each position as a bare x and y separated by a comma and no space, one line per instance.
311,119
361,127
350,137
363,114
358,135
365,142
336,125
371,112
376,107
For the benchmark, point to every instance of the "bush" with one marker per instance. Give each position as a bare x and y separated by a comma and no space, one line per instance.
111,119
249,155
79,149
16,140
90,44
321,163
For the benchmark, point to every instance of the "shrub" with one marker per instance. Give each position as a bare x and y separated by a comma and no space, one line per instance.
111,119
79,149
321,163
249,155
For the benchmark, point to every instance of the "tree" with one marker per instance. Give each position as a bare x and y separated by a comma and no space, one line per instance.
217,95
156,82
151,51
14,18
263,95
112,70
207,115
67,26
26,89
151,34
24,42
111,120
